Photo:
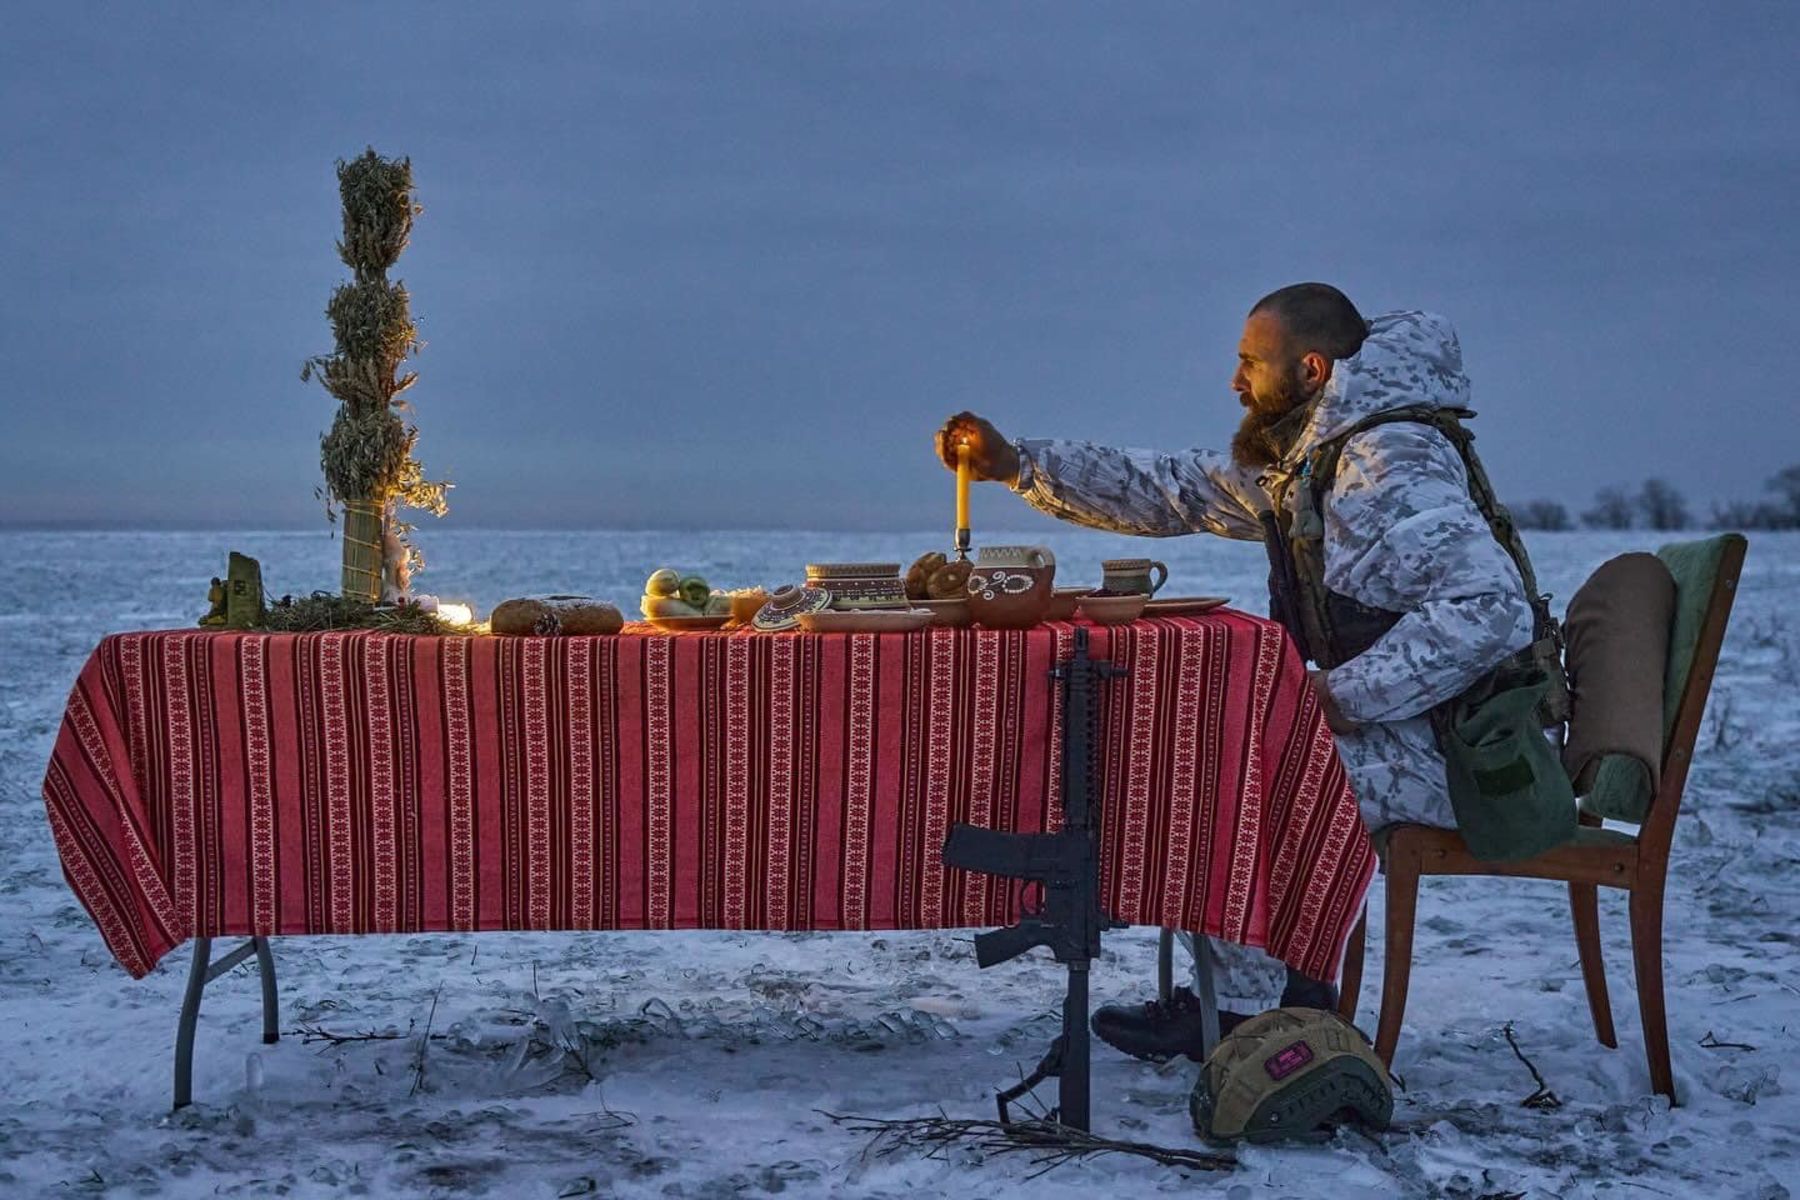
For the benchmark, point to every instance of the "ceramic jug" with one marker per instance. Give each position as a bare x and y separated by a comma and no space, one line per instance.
1010,586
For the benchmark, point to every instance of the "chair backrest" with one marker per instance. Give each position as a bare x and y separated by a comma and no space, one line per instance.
1706,576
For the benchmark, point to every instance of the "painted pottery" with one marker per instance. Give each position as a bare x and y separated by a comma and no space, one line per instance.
1112,610
1144,575
785,606
1011,586
859,585
1015,556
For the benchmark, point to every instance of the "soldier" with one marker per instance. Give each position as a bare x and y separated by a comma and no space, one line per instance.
1422,599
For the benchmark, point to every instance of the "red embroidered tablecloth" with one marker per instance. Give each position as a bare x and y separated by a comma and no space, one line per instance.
210,784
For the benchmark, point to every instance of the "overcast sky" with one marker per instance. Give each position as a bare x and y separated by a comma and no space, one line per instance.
730,265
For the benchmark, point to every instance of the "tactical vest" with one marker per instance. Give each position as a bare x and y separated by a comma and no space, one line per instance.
1331,628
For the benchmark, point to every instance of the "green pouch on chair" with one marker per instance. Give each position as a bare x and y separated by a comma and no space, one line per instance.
1509,791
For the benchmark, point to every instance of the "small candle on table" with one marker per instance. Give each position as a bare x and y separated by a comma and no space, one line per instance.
962,498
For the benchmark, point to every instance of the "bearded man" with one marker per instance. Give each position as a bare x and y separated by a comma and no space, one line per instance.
1411,568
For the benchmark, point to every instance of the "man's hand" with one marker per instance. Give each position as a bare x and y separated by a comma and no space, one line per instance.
1338,722
991,455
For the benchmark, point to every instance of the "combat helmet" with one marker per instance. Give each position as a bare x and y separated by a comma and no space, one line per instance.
1286,1074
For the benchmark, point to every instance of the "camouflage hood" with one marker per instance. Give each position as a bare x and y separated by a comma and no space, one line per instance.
1409,358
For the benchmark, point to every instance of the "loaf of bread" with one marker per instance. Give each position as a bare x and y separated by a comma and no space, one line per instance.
934,577
549,616
949,581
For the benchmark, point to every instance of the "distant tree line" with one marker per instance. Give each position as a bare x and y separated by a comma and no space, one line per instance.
1658,504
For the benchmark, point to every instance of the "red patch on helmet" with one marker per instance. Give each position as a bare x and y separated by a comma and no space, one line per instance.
1283,1063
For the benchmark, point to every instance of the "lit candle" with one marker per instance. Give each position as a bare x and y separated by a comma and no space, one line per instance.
962,496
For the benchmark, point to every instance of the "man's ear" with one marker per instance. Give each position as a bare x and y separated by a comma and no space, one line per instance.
1315,369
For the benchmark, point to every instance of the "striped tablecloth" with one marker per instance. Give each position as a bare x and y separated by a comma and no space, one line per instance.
213,783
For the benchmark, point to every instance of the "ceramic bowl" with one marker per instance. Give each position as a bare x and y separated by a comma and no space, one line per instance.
1062,603
1112,610
785,606
953,613
868,620
1010,597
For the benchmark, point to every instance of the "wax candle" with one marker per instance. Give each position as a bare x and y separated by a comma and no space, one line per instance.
962,484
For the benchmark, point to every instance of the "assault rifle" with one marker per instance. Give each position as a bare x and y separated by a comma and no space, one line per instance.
1069,919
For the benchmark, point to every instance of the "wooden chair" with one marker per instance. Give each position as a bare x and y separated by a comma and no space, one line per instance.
1706,574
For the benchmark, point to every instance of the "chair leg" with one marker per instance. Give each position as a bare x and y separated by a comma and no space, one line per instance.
1584,905
1350,983
1646,955
1402,906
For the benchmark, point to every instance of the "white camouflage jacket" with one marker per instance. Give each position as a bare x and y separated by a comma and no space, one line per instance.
1401,534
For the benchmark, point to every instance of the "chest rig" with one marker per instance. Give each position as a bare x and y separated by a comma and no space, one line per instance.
1331,628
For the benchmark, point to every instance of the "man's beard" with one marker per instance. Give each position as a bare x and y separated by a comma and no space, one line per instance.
1271,425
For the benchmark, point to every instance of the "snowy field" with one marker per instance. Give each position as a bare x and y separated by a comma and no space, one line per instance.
695,1064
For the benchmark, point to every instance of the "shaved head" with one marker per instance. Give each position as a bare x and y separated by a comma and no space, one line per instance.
1317,318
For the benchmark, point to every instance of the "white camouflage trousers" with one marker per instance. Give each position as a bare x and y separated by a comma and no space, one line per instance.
1248,980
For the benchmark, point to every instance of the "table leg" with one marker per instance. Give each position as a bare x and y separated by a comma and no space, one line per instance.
190,1014
203,971
1165,966
1201,950
265,966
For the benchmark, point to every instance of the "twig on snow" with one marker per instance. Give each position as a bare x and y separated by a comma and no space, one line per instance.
424,1042
1049,1144
1709,1042
1543,1098
318,1033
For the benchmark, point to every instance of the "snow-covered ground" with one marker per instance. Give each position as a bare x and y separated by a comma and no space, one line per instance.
696,1064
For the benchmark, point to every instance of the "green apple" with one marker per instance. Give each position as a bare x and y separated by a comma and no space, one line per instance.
696,591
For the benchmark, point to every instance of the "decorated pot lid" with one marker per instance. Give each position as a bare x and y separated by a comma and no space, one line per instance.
785,606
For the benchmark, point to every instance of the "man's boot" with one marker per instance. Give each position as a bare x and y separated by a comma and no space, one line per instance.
1302,992
1158,1030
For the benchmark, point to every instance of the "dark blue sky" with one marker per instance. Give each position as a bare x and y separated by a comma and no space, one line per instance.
729,265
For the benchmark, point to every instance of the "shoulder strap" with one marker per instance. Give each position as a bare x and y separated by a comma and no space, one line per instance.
1322,466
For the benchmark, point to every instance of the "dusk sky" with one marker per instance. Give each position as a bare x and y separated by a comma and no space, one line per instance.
730,265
